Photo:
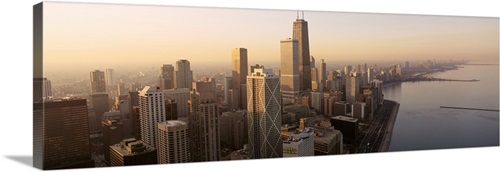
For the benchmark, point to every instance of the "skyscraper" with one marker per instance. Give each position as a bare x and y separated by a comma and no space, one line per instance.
97,82
239,62
289,68
100,104
64,129
110,77
228,86
300,33
183,74
322,72
264,114
352,87
203,122
112,131
181,97
233,129
42,89
370,74
173,143
152,111
166,78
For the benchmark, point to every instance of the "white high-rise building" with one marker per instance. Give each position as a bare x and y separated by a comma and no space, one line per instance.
173,142
264,114
290,68
151,112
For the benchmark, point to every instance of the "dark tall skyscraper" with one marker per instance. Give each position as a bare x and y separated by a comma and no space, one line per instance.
100,103
300,33
97,82
42,89
239,63
112,131
65,132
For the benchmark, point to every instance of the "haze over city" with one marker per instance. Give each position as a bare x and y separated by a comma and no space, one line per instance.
84,37
134,85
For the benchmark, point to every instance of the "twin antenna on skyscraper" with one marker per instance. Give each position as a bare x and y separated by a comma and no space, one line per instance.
298,14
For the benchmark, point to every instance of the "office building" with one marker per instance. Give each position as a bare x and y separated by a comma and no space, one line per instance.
228,86
370,75
317,99
342,108
298,145
347,125
110,78
164,82
151,112
136,122
203,122
233,129
173,142
297,111
132,152
42,89
352,87
97,82
181,97
112,131
358,110
61,135
300,33
264,114
183,76
347,69
239,66
167,74
289,77
328,141
170,109
99,102
322,76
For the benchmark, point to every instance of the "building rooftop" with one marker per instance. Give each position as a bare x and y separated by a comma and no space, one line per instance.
173,123
345,118
132,146
325,135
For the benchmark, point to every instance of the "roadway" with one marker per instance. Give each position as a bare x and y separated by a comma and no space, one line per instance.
374,138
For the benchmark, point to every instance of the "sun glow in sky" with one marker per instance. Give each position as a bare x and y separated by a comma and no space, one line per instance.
107,35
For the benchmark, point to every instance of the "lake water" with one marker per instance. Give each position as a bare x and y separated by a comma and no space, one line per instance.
421,124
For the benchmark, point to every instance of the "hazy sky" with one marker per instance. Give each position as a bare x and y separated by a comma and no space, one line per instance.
106,35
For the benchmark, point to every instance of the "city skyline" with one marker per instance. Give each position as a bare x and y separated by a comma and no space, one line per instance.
354,104
442,9
122,35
